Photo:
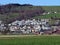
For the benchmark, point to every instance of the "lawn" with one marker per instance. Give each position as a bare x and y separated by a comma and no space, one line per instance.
30,40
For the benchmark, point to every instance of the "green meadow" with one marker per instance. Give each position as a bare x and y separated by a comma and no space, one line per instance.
30,40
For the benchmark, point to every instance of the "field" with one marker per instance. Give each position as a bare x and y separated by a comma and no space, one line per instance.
29,40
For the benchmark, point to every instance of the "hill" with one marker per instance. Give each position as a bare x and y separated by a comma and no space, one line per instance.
50,9
11,12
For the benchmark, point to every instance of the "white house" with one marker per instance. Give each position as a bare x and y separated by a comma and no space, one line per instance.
2,26
14,28
0,22
45,20
46,27
17,22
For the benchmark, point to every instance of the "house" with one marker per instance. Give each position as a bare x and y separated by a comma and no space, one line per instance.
0,21
2,26
27,29
48,12
44,13
14,28
28,22
17,22
37,28
45,20
55,12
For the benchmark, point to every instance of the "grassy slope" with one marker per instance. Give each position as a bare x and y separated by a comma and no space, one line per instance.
47,8
50,9
34,40
48,16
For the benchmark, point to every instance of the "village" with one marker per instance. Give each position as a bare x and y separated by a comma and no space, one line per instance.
30,26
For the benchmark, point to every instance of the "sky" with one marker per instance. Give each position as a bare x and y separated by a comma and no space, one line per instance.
33,2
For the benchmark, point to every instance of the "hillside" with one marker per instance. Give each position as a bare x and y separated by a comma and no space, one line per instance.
11,12
51,8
